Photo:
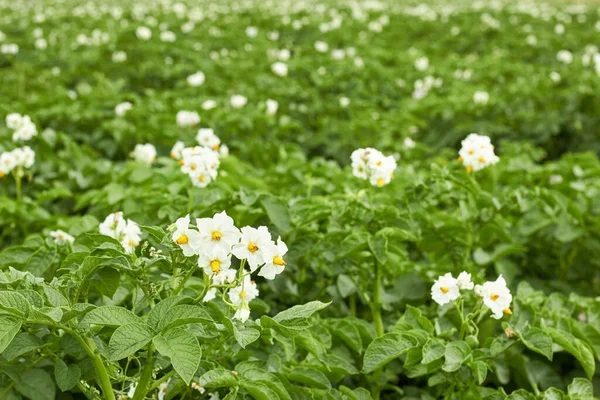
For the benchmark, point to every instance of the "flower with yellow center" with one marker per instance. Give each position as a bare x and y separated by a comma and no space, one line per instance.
497,297
187,239
252,245
218,231
445,289
214,261
274,262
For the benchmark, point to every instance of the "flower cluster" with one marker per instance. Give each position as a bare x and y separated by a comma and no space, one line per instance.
215,241
24,128
61,237
19,158
144,153
201,163
127,232
187,118
496,295
477,152
370,164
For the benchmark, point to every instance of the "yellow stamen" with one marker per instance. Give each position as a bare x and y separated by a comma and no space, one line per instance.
495,297
181,162
278,260
380,182
460,159
444,289
215,266
132,243
193,167
173,155
243,295
253,248
1,174
201,178
216,235
60,236
154,159
469,169
471,152
507,311
216,147
378,163
183,239
482,159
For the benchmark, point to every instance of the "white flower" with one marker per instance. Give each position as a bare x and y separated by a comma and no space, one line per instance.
144,153
497,297
168,36
338,54
187,118
207,138
464,281
113,225
196,79
214,260
251,31
238,101
272,106
23,157
127,232
370,164
223,151
162,390
481,97
478,290
61,237
9,49
198,387
219,231
13,120
209,104
422,63
41,43
273,257
531,40
201,164
119,57
273,36
177,150
25,130
224,276
254,242
477,152
131,391
321,47
143,33
122,108
559,29
131,236
187,239
409,143
7,163
279,68
564,56
555,76
344,102
555,179
243,312
211,294
445,290
244,293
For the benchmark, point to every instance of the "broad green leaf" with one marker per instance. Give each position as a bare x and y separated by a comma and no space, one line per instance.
36,384
300,311
66,376
386,348
455,355
217,378
21,344
537,340
309,377
277,212
433,350
110,316
576,347
553,394
378,246
480,370
55,297
260,391
413,319
15,303
580,387
160,311
105,281
9,327
129,338
184,314
183,350
520,394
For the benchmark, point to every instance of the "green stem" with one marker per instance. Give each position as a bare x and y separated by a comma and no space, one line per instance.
376,305
92,351
352,301
7,389
182,283
18,177
162,379
204,290
142,388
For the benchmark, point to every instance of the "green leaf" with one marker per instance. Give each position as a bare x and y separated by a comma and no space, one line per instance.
260,391
218,378
277,212
55,297
480,370
413,319
300,312
244,334
520,394
456,354
15,303
66,376
21,344
158,314
378,246
110,316
106,281
537,340
309,377
9,327
127,339
386,348
580,387
576,347
553,394
184,314
36,384
183,350
433,350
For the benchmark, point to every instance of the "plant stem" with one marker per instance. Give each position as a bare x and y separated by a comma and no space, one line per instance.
162,379
352,301
18,177
187,276
142,388
91,350
376,305
204,290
